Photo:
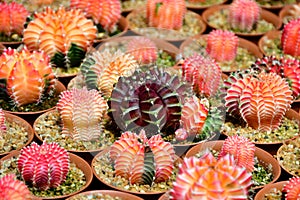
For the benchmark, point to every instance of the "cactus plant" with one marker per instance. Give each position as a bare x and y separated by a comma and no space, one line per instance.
13,189
292,189
64,35
209,178
143,49
167,14
242,149
243,14
203,73
104,12
81,111
141,160
12,19
290,38
101,70
150,100
44,166
222,45
27,76
260,99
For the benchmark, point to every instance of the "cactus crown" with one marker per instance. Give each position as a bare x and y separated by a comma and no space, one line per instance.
222,45
167,14
44,166
28,76
64,35
2,123
292,189
290,39
142,160
12,18
207,177
81,111
12,189
243,14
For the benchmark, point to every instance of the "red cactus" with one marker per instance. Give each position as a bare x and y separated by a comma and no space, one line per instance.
203,73
208,178
290,39
44,166
292,189
104,12
143,49
243,14
81,111
131,158
12,18
13,189
242,149
168,14
222,45
2,123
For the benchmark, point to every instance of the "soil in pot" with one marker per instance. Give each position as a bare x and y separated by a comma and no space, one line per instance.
129,5
104,194
274,4
272,191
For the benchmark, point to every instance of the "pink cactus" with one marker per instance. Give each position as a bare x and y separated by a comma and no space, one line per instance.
131,157
143,49
209,178
203,73
243,14
13,189
44,166
290,39
82,111
168,14
242,149
292,189
222,45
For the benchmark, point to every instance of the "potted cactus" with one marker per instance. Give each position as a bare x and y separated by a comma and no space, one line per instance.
164,19
48,170
243,17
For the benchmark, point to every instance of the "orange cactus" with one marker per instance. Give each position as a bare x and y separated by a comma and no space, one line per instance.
29,75
292,189
168,14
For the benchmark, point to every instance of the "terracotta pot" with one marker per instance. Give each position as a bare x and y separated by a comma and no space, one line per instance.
2,47
273,8
12,45
266,15
243,43
285,15
198,6
265,190
21,122
264,157
142,13
270,35
80,163
112,193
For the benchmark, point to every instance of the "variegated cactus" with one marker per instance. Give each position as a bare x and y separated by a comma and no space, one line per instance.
143,49
290,39
101,70
28,75
141,160
2,123
261,100
209,178
203,73
287,68
81,112
292,189
12,19
13,189
107,13
222,45
243,14
167,14
44,166
65,35
242,149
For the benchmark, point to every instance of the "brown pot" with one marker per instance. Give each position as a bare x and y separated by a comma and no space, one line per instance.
270,35
12,45
112,193
243,43
18,120
266,15
265,190
2,47
285,15
273,8
80,163
142,13
198,6
264,157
